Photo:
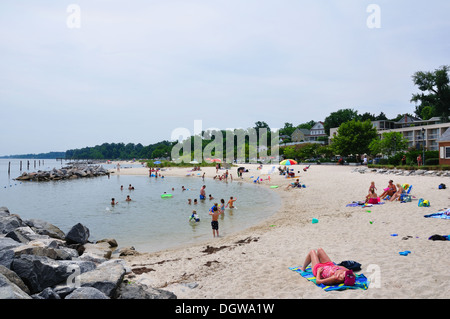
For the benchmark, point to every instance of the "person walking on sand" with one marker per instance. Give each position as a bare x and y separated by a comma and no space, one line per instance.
215,220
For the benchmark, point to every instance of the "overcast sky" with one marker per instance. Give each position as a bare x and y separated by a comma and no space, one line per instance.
136,70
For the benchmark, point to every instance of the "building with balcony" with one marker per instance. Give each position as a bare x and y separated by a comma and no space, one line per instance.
419,133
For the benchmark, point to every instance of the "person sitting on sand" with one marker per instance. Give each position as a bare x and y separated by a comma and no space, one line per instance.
372,198
390,190
294,184
326,271
371,187
400,191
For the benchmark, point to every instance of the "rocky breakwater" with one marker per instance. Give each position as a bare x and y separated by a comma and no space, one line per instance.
39,261
70,172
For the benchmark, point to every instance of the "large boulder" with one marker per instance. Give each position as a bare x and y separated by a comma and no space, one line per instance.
98,253
106,277
14,278
9,290
141,291
87,293
44,228
39,272
7,246
9,222
78,234
47,293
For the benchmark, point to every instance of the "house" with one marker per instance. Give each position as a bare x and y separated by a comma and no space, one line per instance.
318,130
444,148
299,135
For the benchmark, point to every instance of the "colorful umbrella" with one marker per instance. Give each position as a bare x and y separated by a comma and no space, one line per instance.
216,160
288,162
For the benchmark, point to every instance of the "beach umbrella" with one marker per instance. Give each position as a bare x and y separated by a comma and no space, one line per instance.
216,160
193,162
288,162
157,162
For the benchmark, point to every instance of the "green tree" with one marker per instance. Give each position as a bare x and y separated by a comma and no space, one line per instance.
353,137
389,144
435,92
335,119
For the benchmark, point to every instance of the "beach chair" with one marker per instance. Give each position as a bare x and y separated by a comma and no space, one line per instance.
407,196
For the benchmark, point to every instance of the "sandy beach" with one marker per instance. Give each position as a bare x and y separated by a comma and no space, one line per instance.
254,263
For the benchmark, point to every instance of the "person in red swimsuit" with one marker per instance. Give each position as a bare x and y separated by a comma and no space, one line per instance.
326,271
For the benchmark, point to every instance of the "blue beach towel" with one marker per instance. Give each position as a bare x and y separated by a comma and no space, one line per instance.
361,281
443,215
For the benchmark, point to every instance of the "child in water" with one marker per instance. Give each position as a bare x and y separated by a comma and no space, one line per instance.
194,217
231,202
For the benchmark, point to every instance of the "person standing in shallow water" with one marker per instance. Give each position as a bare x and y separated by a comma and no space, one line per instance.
215,220
202,192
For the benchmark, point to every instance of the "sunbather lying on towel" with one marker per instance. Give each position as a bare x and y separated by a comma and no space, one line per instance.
327,272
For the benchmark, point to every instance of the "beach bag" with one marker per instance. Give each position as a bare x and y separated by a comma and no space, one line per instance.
442,186
351,264
423,203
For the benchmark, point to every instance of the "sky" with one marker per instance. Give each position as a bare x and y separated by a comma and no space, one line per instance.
81,73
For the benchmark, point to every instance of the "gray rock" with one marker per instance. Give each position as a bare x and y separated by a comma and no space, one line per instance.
9,223
141,291
14,278
106,277
87,293
6,251
44,228
98,253
9,290
39,272
78,234
47,293
4,211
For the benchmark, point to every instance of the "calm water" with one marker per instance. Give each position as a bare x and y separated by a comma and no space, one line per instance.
148,222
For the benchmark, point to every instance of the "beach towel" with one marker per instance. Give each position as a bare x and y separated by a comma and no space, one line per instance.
443,215
362,204
361,281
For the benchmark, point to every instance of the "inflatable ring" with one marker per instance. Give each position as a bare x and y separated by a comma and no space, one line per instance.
166,195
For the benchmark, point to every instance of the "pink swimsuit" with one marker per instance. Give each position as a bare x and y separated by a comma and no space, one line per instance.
329,269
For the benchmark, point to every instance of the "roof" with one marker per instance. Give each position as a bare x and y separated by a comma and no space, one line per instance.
445,137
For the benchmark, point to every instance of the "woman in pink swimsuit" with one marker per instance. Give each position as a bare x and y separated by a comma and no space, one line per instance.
325,271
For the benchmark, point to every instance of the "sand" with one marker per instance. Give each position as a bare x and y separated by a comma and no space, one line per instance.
254,263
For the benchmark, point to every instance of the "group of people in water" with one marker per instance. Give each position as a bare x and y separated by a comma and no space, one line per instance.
215,211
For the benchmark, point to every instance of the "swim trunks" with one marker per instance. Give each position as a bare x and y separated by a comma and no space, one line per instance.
202,197
215,225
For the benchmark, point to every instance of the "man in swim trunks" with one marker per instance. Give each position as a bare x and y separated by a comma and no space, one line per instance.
202,192
215,220
326,271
